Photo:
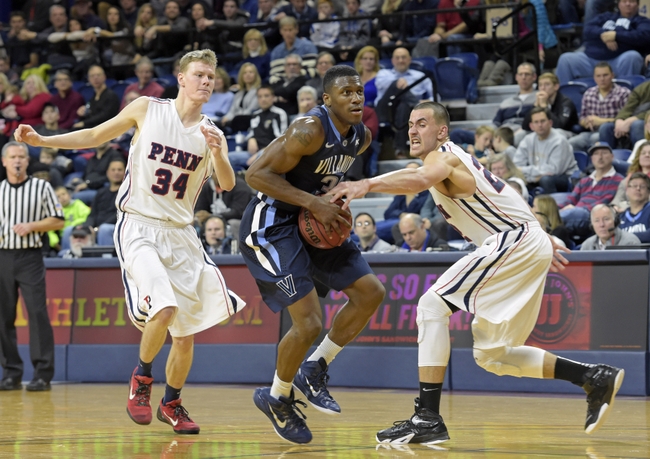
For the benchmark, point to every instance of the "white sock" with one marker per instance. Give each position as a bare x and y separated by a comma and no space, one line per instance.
327,350
280,388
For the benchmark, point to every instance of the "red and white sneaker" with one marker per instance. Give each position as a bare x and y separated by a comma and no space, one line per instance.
176,416
138,407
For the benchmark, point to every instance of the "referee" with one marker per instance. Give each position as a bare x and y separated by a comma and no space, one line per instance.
28,209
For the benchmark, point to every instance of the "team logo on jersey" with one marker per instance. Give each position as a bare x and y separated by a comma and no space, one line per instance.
287,285
174,157
559,311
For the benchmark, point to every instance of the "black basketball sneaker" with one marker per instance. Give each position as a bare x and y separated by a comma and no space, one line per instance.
603,382
424,427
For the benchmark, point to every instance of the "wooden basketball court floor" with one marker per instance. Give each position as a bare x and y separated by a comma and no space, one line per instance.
90,421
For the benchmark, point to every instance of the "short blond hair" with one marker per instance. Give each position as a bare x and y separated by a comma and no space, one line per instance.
252,34
550,77
483,129
206,56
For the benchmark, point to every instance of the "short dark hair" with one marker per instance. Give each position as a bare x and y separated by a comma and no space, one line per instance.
506,134
604,65
361,214
440,113
537,110
335,72
267,87
17,13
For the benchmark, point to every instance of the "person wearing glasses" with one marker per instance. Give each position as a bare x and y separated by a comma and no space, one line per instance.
636,219
366,229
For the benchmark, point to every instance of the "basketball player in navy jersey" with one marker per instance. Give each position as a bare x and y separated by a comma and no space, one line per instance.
296,170
513,258
170,283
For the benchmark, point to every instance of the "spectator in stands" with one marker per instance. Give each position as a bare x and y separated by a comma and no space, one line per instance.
145,86
267,123
8,96
6,70
641,163
81,42
367,65
57,163
306,100
365,229
201,14
390,24
81,236
286,89
74,210
502,166
636,219
291,43
547,50
22,52
325,34
545,156
417,25
640,142
50,118
129,10
618,38
629,121
563,112
56,49
35,95
598,188
171,91
482,142
323,63
66,99
416,237
102,212
301,11
118,52
603,218
95,175
229,205
37,11
449,27
355,34
83,12
103,106
600,105
545,205
502,142
226,31
221,98
266,12
512,111
391,81
146,20
169,44
245,101
213,236
256,52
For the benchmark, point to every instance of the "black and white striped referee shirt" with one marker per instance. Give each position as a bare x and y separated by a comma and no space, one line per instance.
31,201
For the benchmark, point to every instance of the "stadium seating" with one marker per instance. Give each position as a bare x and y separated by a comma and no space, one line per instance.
574,90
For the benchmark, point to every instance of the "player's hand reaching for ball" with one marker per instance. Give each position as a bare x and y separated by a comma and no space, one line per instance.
333,217
26,133
559,262
212,137
351,190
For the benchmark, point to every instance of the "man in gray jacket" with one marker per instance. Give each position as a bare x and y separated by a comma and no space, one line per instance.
545,156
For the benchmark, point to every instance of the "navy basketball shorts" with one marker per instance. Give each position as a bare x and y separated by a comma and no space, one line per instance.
285,267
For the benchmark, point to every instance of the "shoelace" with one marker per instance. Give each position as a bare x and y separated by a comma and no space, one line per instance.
182,414
143,392
406,423
293,411
320,382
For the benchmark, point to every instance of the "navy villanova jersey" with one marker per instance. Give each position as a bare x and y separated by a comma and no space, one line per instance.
285,267
322,171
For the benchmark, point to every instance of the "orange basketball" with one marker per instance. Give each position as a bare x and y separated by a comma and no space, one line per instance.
313,231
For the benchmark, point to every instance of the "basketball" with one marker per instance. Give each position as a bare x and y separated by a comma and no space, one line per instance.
314,233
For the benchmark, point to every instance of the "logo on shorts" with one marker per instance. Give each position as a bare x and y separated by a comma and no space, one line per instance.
558,313
287,285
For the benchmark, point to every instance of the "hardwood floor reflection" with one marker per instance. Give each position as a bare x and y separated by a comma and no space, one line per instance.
89,421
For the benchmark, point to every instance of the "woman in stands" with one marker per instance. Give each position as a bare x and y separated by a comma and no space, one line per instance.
8,96
547,213
221,99
201,13
367,65
245,101
307,99
646,135
256,52
146,20
502,166
640,163
35,95
120,52
390,26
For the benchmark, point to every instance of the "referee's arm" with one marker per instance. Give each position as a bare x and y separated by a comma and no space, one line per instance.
40,226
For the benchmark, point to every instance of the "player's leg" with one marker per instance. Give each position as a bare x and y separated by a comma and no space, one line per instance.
278,402
179,363
434,348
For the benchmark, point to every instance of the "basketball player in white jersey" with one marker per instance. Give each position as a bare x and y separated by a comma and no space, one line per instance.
170,282
513,258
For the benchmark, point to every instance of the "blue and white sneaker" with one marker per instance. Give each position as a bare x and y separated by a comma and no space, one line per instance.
312,380
283,414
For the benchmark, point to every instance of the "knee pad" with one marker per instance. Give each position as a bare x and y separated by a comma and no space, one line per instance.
520,361
432,318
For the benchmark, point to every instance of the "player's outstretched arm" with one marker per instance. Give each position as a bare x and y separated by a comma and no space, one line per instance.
132,115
